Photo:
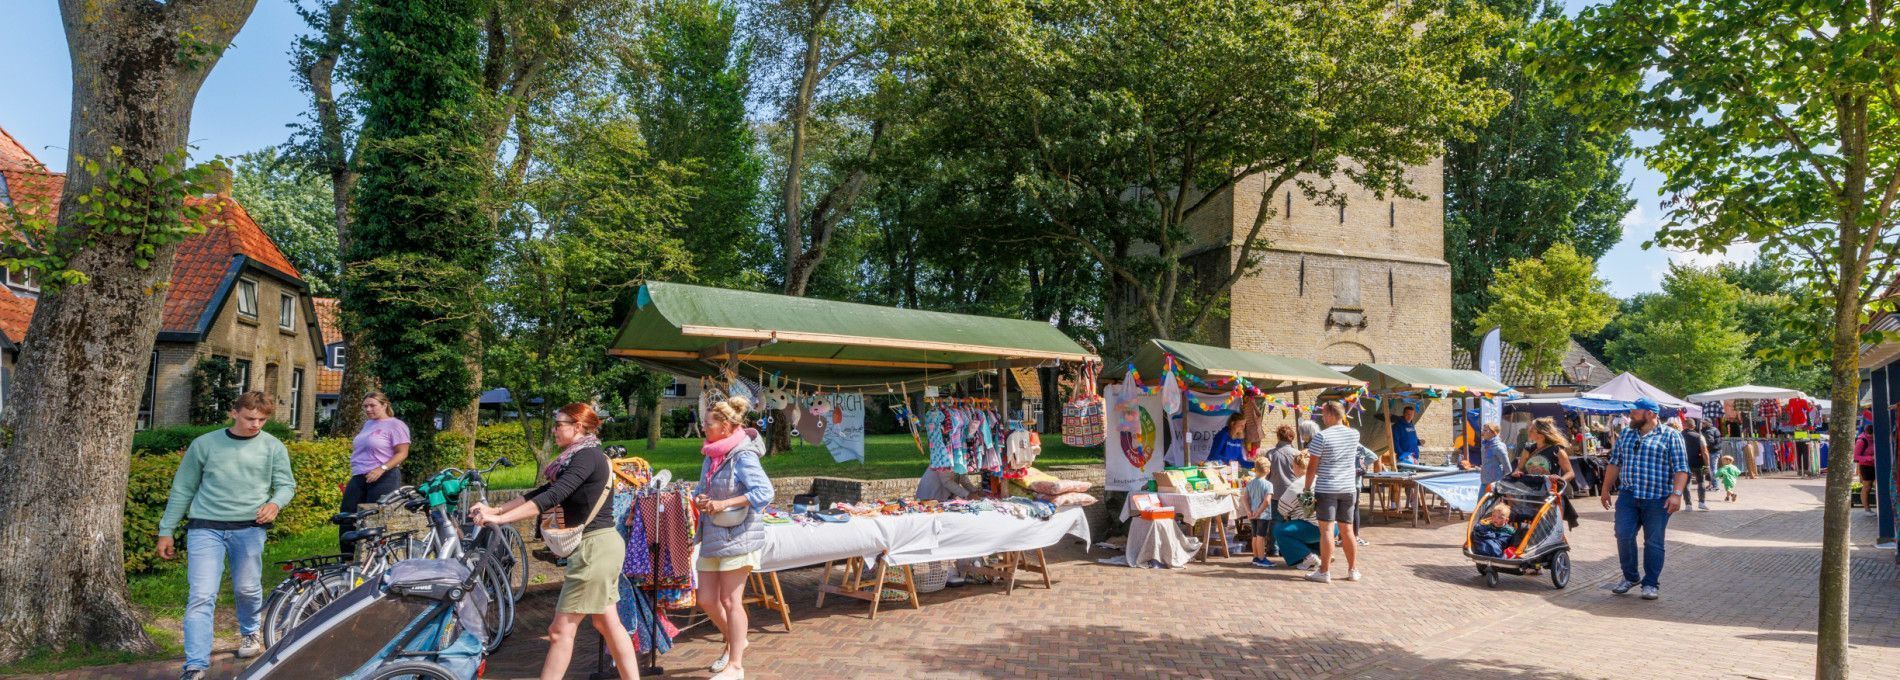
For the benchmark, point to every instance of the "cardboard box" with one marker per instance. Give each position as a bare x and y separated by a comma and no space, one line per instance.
1172,481
1143,502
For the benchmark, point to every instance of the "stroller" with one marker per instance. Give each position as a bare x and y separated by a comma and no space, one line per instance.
421,619
1540,543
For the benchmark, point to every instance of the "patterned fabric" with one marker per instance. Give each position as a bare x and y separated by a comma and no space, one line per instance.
1713,410
1337,450
939,445
1767,409
1647,463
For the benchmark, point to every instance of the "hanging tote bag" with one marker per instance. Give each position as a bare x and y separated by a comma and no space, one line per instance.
1084,417
564,541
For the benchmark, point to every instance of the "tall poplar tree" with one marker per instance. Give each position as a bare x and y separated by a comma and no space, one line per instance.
420,240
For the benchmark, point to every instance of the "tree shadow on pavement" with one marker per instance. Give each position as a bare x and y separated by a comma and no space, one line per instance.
1096,651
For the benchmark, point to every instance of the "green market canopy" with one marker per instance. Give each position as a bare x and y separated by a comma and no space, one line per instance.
695,330
1211,367
1385,379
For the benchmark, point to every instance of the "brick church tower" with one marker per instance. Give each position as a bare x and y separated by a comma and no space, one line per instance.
1366,283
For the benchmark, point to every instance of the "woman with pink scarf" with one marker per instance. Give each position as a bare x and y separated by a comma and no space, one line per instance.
733,489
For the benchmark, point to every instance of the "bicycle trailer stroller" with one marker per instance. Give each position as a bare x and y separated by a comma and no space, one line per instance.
421,619
1540,542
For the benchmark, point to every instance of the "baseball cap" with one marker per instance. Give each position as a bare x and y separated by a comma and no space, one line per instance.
1647,404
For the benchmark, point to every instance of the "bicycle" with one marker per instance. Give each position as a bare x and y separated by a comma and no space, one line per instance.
446,539
314,583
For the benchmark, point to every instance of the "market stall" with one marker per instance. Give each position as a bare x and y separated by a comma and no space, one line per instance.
810,364
1172,403
1627,388
1767,428
1388,386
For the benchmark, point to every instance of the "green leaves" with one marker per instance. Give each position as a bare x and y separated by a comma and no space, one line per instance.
1689,339
156,205
1539,304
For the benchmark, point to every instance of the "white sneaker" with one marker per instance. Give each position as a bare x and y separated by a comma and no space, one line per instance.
252,645
1318,576
1311,563
1353,575
1703,505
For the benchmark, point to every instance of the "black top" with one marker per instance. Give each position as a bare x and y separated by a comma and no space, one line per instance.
1543,461
1697,448
577,488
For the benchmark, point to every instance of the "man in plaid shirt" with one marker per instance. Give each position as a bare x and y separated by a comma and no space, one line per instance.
1653,466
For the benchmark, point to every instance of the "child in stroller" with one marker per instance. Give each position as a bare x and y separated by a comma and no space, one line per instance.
1522,530
1493,532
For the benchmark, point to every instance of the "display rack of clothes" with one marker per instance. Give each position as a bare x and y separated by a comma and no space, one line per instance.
660,526
966,436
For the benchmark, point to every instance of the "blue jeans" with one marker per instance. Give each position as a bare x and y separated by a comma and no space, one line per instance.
207,553
1650,515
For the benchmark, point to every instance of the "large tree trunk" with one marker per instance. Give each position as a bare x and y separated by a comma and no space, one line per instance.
339,162
62,580
656,420
464,420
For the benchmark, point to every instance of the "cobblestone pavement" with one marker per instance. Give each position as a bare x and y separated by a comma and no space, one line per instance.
1738,602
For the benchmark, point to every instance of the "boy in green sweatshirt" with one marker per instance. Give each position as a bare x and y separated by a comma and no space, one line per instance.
231,484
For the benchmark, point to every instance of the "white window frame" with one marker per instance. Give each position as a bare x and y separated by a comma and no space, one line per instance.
674,389
247,298
296,398
338,356
21,279
287,311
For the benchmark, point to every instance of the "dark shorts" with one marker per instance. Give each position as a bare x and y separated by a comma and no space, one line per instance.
1333,507
1263,528
1867,474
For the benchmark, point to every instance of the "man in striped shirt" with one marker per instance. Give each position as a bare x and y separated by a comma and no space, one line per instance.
1330,478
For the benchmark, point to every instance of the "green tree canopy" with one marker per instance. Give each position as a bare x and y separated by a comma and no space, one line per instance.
1123,121
1535,175
1776,123
1540,303
1689,338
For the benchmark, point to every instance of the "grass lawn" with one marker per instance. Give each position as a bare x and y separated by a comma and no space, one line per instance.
161,595
887,456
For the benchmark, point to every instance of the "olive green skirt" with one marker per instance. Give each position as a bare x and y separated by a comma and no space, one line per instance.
592,583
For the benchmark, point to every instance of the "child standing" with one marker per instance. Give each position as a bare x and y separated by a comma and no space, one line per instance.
1259,509
1727,473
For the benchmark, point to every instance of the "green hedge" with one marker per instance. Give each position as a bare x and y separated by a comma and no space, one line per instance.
321,468
163,440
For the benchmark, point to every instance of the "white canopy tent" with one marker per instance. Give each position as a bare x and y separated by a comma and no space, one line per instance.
1628,387
1746,392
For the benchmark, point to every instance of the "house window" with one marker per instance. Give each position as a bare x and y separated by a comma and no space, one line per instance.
244,375
338,353
247,297
677,389
20,278
296,398
149,402
286,312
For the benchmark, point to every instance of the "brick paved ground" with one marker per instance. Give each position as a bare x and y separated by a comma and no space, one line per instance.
1738,603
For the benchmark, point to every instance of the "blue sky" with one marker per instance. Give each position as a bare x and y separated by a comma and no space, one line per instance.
250,99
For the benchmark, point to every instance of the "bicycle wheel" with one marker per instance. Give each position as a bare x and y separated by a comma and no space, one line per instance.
277,610
514,560
500,616
316,595
412,668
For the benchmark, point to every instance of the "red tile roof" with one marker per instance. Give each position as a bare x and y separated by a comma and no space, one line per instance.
205,259
16,313
326,320
202,261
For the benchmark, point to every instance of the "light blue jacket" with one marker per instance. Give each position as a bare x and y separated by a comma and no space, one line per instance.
1495,463
742,475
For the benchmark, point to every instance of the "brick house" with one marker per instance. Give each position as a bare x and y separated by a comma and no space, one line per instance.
233,294
1331,279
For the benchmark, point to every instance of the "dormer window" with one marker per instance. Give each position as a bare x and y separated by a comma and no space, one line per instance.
286,311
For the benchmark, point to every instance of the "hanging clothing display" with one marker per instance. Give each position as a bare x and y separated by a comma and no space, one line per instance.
661,528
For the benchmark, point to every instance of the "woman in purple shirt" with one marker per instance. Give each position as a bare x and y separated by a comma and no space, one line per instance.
375,460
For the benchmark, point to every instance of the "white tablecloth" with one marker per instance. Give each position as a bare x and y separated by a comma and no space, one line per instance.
914,539
1156,544
1193,507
